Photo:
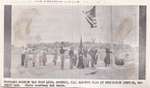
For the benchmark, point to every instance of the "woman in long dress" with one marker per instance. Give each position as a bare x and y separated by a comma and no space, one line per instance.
107,57
80,61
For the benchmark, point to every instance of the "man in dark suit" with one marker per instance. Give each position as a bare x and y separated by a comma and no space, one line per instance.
23,56
62,52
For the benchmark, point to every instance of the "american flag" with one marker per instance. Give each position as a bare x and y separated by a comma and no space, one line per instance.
90,16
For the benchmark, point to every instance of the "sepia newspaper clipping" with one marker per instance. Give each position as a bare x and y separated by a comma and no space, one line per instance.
74,44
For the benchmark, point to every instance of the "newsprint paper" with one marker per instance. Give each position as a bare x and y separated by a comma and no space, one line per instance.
74,44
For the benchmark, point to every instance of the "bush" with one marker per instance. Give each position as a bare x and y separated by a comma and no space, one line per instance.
119,62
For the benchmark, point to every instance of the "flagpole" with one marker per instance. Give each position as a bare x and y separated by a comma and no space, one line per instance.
112,40
111,34
80,25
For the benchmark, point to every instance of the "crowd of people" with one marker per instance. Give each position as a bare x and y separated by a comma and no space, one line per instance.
80,58
36,57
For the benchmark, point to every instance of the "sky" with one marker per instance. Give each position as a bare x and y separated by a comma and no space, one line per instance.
67,23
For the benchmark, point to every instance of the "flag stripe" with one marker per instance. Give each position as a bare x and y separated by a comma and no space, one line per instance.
91,17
